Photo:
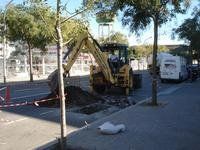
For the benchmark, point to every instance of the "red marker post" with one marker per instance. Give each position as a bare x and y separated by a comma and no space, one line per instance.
7,96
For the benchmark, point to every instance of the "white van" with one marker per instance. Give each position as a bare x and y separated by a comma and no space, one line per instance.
160,56
173,68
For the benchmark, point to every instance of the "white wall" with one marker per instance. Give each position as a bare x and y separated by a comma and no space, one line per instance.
139,64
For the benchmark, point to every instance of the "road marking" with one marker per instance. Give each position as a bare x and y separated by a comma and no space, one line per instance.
2,143
14,121
30,95
22,90
44,113
9,122
4,120
3,88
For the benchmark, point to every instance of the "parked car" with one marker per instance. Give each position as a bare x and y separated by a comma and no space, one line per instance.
193,72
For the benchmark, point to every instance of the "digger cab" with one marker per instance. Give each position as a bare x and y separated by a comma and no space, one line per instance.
117,55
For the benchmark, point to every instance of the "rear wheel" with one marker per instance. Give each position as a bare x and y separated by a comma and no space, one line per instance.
99,88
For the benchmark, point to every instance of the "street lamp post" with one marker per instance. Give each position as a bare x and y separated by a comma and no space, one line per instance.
4,41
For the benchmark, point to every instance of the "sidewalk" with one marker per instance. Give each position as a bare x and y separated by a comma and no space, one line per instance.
174,125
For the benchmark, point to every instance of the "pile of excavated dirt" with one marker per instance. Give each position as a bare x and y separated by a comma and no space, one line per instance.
74,96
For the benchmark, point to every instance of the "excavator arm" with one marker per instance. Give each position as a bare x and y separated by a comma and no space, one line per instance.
84,41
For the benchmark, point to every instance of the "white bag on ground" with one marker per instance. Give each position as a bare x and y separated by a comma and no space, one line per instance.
109,128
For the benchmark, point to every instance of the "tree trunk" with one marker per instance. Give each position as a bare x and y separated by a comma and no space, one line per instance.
30,62
4,56
60,77
155,47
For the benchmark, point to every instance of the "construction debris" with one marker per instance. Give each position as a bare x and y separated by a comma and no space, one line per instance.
80,101
119,101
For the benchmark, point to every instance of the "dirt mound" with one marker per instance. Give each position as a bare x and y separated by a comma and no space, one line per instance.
74,96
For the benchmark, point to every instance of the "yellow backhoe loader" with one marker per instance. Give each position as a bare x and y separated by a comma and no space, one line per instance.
107,73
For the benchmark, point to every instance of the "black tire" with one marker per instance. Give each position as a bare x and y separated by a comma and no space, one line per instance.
99,88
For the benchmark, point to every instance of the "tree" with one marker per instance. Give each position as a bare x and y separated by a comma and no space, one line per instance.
146,50
189,30
139,14
66,29
1,26
115,37
181,51
72,29
24,25
35,24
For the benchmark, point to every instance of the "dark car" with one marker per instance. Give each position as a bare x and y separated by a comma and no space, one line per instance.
193,71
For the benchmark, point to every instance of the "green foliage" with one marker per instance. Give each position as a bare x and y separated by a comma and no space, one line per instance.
72,29
24,24
145,50
34,23
181,51
138,14
115,37
190,30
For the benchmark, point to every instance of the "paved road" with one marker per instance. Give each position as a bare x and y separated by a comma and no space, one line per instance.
145,91
25,127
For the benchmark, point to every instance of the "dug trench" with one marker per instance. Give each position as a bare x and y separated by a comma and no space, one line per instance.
86,102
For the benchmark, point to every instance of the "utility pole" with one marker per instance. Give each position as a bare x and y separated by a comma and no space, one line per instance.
5,41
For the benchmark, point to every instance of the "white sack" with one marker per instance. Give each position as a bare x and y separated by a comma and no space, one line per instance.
109,128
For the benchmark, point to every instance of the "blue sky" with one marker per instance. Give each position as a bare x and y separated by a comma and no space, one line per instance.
146,37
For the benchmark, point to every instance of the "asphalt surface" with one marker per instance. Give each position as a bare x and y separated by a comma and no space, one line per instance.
26,127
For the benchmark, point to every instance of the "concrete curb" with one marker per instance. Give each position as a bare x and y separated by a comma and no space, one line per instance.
52,145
